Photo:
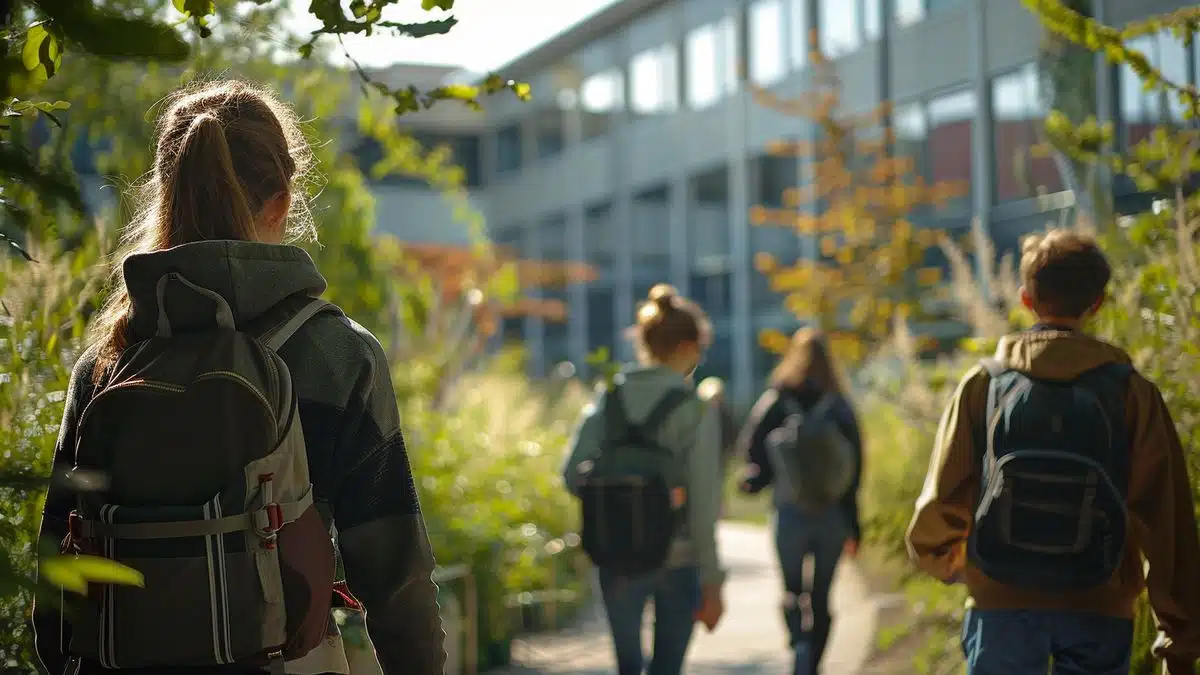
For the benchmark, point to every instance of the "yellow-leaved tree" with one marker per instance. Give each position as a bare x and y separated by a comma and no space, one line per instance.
857,202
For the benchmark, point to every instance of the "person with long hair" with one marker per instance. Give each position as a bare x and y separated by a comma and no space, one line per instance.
805,376
671,336
224,195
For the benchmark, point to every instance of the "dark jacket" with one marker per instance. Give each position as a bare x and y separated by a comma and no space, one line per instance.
769,414
356,451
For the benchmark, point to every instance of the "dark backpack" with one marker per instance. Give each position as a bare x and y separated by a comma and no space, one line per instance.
209,497
629,518
813,461
1054,460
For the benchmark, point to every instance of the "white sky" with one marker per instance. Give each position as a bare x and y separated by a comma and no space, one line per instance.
489,33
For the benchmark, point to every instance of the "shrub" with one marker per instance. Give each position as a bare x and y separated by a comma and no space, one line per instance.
41,326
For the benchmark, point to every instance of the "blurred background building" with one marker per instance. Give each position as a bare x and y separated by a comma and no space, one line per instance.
642,152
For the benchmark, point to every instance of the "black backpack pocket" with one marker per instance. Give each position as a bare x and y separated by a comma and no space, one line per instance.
628,523
1048,519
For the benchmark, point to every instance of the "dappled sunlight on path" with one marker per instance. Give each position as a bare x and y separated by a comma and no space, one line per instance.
751,638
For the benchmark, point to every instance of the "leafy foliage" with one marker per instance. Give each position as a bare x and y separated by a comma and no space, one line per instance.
858,203
34,35
1152,313
47,305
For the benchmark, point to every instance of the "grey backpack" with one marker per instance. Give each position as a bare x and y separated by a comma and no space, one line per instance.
209,497
813,462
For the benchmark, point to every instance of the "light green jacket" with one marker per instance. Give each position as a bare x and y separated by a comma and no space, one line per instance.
693,432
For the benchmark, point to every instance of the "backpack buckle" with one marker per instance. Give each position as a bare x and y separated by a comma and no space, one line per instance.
270,533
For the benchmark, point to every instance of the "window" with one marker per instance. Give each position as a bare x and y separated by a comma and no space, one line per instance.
702,85
767,61
801,37
912,136
598,237
839,27
551,132
653,76
950,142
601,96
552,238
872,19
552,247
935,6
712,59
650,213
1018,114
601,322
508,148
909,12
1141,110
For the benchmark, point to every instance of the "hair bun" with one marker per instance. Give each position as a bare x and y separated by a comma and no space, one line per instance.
663,295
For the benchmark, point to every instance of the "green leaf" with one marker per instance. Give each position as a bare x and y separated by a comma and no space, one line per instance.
50,184
33,43
108,34
422,29
74,573
430,5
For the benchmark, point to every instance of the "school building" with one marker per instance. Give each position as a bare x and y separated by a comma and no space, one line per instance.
643,152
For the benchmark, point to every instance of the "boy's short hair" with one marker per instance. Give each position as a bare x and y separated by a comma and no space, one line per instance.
1064,272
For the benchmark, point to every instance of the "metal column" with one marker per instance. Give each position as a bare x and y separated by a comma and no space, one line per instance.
741,324
983,183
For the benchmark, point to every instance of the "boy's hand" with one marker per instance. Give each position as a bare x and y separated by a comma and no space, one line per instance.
711,607
850,548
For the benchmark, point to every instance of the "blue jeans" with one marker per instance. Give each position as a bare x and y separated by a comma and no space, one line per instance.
1023,642
676,596
800,535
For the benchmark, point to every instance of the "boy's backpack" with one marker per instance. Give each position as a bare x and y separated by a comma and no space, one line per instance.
629,515
1054,458
813,461
208,496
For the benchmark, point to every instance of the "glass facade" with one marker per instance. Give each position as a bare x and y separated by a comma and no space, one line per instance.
509,153
654,81
766,47
600,97
801,33
908,12
839,32
552,248
1018,117
711,57
1140,110
950,143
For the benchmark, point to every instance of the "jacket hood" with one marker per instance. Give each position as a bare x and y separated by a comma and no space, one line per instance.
645,386
252,277
1056,354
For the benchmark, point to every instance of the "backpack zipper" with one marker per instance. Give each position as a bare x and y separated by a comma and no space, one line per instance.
170,388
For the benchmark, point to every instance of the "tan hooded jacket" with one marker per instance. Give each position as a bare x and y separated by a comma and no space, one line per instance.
1162,522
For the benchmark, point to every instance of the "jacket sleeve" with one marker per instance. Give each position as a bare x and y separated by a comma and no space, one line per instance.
585,443
50,628
944,511
1163,521
764,418
381,533
853,433
704,494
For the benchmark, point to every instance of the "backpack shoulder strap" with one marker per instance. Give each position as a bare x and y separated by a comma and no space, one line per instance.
663,409
616,422
275,337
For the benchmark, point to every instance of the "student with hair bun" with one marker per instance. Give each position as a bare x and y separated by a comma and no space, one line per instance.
645,465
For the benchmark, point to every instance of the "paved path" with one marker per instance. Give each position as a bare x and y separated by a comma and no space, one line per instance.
750,639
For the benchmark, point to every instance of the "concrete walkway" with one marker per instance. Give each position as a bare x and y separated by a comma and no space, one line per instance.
750,639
